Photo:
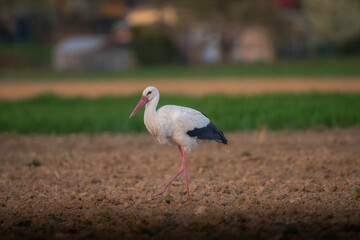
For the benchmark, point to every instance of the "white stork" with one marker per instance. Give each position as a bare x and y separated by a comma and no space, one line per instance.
178,126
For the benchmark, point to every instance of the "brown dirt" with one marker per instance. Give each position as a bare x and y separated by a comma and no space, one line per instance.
293,185
184,86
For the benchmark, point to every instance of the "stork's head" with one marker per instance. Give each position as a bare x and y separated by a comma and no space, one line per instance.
148,94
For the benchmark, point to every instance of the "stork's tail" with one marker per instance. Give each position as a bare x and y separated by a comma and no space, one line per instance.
221,134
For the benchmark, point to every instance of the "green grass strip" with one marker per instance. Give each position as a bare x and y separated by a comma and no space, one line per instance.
50,114
340,67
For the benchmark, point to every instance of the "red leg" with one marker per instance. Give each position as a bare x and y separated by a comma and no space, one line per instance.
186,178
181,152
173,178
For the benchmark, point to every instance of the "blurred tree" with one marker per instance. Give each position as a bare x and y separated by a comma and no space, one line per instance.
162,50
48,19
226,12
38,17
334,21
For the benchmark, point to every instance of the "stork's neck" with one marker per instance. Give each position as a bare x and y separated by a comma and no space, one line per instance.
150,107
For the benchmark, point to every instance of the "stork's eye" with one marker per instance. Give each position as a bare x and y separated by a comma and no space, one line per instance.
148,93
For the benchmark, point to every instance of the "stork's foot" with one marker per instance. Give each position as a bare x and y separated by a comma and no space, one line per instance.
158,193
189,199
163,189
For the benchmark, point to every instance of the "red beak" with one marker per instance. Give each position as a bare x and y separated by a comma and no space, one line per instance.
141,103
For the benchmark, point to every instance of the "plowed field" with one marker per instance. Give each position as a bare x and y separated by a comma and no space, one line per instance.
279,185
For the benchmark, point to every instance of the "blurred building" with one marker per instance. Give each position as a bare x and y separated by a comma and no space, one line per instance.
254,44
96,52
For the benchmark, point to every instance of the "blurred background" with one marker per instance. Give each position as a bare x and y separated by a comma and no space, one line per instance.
218,56
116,35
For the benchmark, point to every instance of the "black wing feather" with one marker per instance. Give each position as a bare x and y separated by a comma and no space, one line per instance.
210,132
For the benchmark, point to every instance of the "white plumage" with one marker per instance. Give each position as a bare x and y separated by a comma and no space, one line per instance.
170,123
176,125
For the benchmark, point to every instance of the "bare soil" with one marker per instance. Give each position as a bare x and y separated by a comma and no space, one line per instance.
184,86
278,185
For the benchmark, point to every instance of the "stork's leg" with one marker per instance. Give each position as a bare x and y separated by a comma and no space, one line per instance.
186,178
175,176
180,150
